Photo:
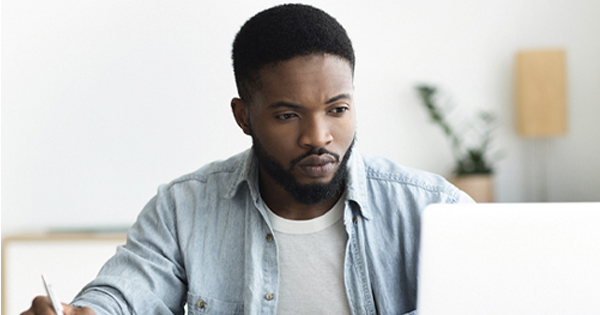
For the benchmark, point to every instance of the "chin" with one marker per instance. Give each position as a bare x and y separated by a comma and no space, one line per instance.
315,182
303,179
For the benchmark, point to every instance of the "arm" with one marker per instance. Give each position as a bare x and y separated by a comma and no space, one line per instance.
146,276
41,305
464,198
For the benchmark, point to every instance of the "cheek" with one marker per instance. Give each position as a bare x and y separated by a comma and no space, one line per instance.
279,142
345,131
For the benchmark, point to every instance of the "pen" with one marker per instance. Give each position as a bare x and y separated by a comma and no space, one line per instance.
55,303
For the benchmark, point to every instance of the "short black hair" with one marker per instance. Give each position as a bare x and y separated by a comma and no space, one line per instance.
282,33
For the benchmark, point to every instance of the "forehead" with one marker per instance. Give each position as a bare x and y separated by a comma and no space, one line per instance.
305,78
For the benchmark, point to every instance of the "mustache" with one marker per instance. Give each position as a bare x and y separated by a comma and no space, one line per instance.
317,152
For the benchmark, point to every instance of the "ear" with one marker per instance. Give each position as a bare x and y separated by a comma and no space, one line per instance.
240,112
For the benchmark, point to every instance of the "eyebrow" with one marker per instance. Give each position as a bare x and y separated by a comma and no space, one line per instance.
297,106
339,97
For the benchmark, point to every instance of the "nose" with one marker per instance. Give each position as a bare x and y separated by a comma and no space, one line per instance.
316,132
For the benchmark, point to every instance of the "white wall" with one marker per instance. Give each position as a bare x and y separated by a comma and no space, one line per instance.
102,101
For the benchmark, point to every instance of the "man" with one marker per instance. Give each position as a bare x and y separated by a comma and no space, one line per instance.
299,224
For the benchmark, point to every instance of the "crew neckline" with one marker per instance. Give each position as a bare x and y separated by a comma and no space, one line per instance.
314,225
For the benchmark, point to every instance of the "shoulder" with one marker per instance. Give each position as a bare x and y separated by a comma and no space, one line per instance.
386,175
218,173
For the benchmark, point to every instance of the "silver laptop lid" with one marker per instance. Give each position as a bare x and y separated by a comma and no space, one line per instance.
510,259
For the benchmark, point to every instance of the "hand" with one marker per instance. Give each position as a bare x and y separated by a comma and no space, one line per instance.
41,306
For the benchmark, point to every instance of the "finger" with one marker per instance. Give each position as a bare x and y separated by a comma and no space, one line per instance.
70,309
74,310
41,306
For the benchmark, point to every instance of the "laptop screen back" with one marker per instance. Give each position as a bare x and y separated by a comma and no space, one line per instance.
510,259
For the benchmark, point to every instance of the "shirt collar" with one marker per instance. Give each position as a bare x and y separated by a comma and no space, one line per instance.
356,190
246,171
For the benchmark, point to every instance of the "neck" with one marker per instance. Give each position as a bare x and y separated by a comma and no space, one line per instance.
284,205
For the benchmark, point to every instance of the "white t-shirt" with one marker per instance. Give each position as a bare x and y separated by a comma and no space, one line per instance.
311,263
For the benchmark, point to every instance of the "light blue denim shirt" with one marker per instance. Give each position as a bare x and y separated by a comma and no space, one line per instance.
205,240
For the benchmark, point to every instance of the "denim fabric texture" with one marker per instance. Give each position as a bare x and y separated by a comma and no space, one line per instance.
205,240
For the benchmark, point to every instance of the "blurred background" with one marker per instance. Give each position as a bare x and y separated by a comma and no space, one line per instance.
102,101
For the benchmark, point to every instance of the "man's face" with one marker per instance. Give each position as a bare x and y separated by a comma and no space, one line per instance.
302,123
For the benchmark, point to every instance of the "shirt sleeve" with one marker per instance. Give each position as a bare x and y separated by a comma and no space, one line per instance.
146,275
463,197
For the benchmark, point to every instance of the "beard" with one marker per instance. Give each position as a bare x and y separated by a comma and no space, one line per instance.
307,194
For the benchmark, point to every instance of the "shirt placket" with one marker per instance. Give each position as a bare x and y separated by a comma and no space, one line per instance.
261,254
356,277
270,294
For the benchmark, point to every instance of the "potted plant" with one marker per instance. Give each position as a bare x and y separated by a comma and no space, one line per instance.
470,143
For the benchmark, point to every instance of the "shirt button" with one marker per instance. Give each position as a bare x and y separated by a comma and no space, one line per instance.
269,237
270,296
201,304
355,219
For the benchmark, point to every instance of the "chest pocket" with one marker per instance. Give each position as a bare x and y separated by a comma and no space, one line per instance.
204,305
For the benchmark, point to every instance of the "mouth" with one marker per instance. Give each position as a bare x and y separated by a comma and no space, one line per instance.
317,166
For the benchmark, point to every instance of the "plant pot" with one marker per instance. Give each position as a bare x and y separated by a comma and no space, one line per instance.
479,186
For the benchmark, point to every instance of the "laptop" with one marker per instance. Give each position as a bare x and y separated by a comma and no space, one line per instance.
521,258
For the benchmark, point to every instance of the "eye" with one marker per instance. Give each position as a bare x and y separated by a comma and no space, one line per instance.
339,110
286,116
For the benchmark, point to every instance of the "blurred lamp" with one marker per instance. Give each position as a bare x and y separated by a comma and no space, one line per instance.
541,93
541,108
